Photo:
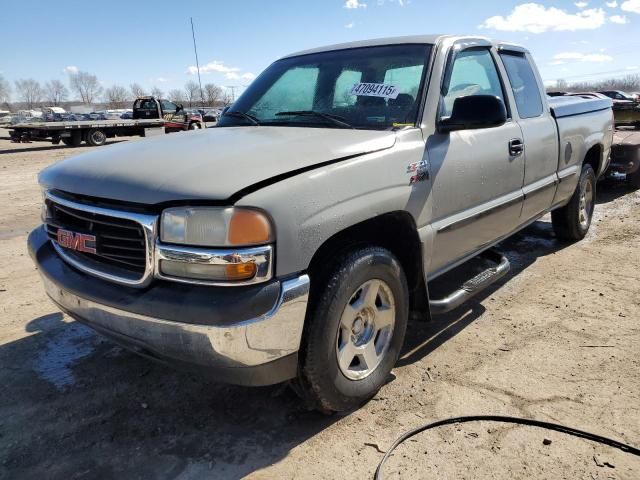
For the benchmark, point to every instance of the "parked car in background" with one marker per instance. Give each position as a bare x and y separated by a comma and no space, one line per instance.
625,155
626,111
295,240
618,95
210,116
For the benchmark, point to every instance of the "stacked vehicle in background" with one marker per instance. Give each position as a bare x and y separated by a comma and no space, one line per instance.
149,116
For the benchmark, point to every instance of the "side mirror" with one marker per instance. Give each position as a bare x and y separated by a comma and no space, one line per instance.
474,111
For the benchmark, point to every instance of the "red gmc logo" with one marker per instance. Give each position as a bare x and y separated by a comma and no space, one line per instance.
76,241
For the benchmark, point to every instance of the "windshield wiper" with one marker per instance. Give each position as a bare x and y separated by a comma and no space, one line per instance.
237,113
335,119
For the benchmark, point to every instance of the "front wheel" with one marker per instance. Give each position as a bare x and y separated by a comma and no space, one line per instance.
194,126
355,330
572,221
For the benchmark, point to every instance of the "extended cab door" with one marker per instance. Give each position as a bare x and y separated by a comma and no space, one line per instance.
539,133
477,178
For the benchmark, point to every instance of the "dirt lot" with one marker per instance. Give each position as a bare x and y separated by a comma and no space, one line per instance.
557,340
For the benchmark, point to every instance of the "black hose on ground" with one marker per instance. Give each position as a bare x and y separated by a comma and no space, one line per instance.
504,419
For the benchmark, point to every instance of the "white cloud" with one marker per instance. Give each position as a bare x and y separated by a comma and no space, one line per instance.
237,76
631,6
161,80
350,25
354,4
565,57
536,18
581,4
70,69
618,19
210,67
613,4
632,67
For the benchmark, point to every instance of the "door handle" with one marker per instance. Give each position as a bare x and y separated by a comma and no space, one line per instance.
516,147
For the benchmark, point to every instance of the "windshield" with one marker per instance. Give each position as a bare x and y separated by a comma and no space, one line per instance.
368,88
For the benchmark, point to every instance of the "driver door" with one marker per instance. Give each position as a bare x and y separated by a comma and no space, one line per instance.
477,178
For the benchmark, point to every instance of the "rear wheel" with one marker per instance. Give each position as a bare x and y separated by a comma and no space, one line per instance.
354,330
194,126
96,137
572,221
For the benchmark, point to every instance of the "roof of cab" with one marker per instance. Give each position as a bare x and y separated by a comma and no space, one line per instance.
426,39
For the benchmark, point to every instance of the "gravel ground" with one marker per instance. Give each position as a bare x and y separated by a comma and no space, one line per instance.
557,339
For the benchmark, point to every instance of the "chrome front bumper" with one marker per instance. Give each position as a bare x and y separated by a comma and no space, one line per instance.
258,351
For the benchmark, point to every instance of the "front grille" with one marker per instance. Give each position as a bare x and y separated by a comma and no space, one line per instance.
120,243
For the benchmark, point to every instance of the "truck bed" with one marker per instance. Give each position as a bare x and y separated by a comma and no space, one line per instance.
86,124
569,106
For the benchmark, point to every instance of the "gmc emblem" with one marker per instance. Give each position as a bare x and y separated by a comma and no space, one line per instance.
77,241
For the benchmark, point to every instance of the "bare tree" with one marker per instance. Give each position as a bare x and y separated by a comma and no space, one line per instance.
226,99
628,83
86,86
117,96
212,94
55,92
29,91
156,92
137,90
176,95
192,92
5,90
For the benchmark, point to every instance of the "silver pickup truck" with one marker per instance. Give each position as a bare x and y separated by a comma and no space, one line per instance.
296,238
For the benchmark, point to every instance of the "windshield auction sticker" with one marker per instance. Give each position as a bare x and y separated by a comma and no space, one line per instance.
375,90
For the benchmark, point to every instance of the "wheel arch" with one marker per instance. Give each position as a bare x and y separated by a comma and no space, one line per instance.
395,231
594,157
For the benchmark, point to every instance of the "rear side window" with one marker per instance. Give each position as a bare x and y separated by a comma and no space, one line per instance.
524,85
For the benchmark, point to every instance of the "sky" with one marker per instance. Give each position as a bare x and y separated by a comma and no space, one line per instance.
150,42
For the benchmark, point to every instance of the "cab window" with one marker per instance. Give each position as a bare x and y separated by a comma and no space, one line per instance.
473,73
168,106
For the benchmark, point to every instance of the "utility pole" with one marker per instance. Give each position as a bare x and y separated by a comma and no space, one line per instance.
195,49
233,92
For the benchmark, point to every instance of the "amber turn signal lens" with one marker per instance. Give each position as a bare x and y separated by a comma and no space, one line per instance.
248,227
240,271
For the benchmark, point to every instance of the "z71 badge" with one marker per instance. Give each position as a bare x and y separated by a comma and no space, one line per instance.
420,171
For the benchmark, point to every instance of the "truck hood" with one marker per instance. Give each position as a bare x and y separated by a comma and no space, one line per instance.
210,164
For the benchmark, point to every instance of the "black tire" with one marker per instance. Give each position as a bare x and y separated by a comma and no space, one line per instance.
321,381
633,179
96,137
195,126
74,140
572,221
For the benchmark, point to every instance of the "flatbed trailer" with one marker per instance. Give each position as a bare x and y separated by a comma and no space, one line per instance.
93,132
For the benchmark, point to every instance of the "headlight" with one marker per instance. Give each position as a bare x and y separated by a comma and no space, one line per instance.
215,227
215,245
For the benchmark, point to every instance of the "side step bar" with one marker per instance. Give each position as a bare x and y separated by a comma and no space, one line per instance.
474,286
